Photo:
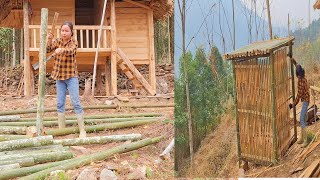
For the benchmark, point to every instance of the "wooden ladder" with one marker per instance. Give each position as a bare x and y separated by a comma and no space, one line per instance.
132,73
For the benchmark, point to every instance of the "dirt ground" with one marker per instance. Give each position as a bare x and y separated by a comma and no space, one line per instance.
122,163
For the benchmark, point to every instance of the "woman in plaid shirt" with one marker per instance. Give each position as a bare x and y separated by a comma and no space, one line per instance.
66,74
303,94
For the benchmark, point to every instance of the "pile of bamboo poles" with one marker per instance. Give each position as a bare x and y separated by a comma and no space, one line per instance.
21,154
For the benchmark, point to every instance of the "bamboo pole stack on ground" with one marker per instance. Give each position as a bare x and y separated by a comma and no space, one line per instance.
28,111
42,170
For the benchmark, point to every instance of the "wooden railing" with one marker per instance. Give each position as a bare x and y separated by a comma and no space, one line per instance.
87,37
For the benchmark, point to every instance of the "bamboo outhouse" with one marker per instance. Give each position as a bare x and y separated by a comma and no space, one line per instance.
263,89
127,35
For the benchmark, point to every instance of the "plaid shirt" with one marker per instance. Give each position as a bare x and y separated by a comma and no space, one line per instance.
65,64
303,91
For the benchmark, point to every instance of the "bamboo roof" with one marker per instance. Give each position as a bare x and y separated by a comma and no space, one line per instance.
162,9
261,48
316,5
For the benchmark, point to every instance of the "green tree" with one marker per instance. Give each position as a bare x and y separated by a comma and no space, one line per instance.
207,94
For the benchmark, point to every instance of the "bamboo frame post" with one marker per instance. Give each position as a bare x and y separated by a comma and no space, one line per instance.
236,112
113,49
273,108
27,65
98,47
42,70
293,94
152,64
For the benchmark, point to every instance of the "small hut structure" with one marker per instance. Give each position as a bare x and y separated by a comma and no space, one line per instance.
127,35
262,79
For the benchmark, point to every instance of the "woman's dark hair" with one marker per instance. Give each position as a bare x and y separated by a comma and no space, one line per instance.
299,71
68,23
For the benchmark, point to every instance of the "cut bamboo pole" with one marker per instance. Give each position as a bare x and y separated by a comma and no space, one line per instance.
236,111
9,118
21,143
9,166
13,130
95,128
98,47
113,59
36,150
98,116
99,156
23,162
7,137
273,106
41,157
42,70
26,55
29,170
293,95
27,111
97,139
74,122
168,149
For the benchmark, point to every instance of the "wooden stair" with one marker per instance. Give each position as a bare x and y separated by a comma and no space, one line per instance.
132,73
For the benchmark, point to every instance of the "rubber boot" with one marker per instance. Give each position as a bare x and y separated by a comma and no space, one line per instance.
61,120
300,141
82,130
305,138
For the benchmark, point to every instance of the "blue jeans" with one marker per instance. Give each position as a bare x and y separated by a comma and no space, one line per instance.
72,84
303,114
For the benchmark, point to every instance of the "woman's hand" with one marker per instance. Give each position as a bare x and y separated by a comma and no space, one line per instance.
58,51
50,35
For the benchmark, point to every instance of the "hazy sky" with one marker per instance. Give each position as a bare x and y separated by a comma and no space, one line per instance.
298,10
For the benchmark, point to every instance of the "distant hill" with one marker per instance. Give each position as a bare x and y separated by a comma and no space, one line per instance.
196,14
302,35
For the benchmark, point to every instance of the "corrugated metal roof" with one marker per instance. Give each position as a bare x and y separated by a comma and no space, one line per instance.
260,48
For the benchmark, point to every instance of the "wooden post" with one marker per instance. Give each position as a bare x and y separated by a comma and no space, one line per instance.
42,70
236,111
98,47
152,64
273,108
108,77
269,19
99,82
113,49
293,94
32,84
14,50
27,66
169,42
21,46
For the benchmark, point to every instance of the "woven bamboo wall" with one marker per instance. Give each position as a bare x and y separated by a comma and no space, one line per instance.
282,95
253,86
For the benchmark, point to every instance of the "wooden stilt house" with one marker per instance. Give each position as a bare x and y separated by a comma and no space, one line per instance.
127,36
264,86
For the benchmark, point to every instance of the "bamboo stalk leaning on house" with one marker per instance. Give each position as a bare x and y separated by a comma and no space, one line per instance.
304,95
66,74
